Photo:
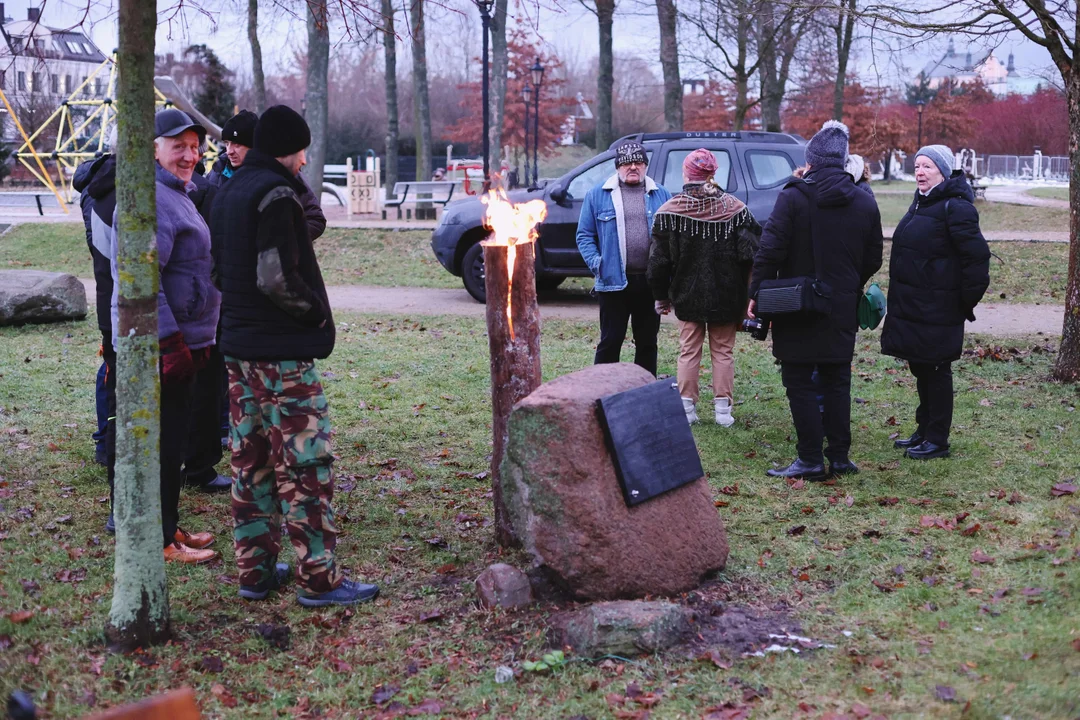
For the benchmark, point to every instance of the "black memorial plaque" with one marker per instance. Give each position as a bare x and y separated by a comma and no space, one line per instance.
649,440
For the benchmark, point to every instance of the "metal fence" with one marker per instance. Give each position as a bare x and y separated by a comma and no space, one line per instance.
1027,167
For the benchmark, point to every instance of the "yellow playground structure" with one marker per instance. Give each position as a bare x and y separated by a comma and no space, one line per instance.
82,125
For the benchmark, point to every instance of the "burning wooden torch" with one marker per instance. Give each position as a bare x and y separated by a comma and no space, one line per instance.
513,321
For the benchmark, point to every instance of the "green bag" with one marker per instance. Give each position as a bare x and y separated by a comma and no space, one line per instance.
872,307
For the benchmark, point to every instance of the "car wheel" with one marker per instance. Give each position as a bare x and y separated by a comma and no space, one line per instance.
548,282
472,272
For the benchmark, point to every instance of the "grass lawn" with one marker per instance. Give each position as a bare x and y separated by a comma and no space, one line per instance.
992,216
1022,272
859,564
1054,193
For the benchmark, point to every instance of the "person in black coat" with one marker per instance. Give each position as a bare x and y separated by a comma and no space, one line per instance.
938,272
826,208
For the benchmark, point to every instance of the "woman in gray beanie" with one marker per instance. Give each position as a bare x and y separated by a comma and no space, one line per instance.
938,272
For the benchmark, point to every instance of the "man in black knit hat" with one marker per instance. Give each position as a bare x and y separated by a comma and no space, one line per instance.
275,321
238,136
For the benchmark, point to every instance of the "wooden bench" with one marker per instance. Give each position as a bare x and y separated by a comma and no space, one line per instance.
29,200
437,192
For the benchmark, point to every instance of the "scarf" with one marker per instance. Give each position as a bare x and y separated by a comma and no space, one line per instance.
702,209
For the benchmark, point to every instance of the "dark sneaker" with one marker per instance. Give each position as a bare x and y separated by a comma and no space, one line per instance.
927,451
915,439
218,483
800,469
347,593
275,582
110,525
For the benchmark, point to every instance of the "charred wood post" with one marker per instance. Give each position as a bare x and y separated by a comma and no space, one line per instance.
514,342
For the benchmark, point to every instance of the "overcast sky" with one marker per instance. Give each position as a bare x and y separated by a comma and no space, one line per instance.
454,34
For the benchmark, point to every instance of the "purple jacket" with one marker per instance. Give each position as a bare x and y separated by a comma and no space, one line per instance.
188,302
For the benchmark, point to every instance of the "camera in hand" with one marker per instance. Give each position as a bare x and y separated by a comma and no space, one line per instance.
758,329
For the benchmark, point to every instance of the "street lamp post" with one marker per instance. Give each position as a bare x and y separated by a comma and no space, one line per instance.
526,95
537,71
485,7
921,104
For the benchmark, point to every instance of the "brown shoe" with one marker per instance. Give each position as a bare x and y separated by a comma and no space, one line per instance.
179,552
193,540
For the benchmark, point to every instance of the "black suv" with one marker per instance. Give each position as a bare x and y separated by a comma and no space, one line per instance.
753,166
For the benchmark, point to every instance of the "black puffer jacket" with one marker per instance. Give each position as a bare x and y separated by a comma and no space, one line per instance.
95,181
938,272
849,230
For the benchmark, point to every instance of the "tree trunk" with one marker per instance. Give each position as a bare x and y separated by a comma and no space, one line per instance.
1067,367
139,615
390,75
421,103
742,102
515,356
318,66
845,29
499,72
767,36
605,78
669,61
256,56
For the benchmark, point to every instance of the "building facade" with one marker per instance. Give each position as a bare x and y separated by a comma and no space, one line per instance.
998,77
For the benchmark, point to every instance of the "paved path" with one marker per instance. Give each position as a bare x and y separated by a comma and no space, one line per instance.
999,319
1018,195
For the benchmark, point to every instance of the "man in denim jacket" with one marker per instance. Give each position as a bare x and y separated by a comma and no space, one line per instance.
613,236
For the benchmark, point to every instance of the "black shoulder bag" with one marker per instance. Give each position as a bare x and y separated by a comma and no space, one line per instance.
802,296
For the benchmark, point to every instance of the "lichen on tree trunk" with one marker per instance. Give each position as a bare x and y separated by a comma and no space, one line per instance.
515,360
139,615
390,85
421,102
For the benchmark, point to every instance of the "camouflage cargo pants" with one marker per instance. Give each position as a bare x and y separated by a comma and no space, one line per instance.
279,426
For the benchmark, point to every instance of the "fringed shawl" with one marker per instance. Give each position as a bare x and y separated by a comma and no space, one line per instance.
704,210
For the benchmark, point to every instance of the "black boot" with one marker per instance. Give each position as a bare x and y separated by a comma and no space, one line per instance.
927,451
915,439
800,469
843,467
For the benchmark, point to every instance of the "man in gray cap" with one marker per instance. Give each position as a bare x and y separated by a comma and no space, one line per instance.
613,236
188,306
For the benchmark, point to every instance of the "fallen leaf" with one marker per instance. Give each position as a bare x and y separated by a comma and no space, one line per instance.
730,489
383,693
1062,489
719,660
431,616
945,693
211,663
797,530
1030,655
849,500
982,558
1076,644
20,616
970,530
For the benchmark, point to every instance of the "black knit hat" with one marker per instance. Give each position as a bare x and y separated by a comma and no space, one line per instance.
240,128
281,131
630,152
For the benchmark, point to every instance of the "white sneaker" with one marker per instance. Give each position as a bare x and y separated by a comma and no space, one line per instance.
723,412
691,413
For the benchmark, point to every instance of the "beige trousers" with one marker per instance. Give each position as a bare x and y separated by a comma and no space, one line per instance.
721,345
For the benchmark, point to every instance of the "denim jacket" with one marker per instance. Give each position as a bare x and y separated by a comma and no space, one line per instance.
601,232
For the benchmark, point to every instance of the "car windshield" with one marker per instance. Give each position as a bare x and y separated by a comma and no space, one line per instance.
591,177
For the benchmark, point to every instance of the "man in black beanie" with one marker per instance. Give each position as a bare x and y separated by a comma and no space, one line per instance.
275,321
238,136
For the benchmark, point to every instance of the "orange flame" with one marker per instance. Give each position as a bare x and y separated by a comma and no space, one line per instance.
511,224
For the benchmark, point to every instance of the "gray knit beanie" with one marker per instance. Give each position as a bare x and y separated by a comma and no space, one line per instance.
829,146
940,155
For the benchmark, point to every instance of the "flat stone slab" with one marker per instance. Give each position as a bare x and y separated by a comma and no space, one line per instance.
623,627
35,296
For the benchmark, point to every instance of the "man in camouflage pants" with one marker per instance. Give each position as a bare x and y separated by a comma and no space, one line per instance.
275,322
